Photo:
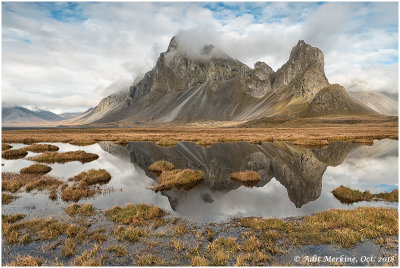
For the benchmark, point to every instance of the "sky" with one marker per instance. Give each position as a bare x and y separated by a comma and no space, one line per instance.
67,56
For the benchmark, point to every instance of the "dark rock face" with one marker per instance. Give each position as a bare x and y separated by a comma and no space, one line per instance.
334,100
187,86
299,170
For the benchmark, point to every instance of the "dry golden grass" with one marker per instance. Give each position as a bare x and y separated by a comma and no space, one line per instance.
179,179
82,142
140,214
199,261
150,260
118,249
349,196
93,176
5,146
246,176
75,192
51,157
26,260
166,143
162,165
14,154
13,182
7,198
36,169
85,210
36,147
89,257
307,129
122,143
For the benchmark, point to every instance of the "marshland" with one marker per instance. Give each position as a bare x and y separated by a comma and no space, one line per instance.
116,201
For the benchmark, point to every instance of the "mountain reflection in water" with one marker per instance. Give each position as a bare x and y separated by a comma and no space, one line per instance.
299,170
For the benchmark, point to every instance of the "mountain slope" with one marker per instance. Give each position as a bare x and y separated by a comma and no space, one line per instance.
20,115
186,86
377,101
334,100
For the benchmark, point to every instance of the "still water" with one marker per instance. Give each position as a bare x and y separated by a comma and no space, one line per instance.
294,181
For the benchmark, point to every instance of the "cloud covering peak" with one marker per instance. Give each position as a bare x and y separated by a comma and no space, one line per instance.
67,56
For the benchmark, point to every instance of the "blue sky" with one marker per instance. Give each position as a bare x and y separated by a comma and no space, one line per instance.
66,56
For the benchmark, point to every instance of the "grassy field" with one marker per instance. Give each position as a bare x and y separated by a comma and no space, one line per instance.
300,131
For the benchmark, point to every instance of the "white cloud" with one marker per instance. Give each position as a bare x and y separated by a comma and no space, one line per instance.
68,58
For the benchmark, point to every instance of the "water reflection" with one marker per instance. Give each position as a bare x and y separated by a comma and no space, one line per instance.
295,181
299,170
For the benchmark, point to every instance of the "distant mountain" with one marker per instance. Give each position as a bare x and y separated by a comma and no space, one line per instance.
73,115
185,86
20,115
380,102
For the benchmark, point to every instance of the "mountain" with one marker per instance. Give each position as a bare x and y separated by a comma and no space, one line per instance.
334,100
380,102
299,170
186,86
19,115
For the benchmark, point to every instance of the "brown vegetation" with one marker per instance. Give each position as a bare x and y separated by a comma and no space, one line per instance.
179,179
93,176
26,260
81,187
85,210
37,147
5,146
82,142
51,157
162,165
13,182
7,198
246,176
36,169
14,154
292,129
134,214
349,196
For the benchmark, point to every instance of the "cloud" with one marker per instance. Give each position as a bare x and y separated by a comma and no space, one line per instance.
68,56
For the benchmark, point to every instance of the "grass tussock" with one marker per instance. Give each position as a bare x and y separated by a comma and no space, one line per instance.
76,192
43,183
93,176
26,260
199,261
349,196
393,196
83,210
179,179
150,260
118,249
13,182
37,147
53,157
131,234
89,257
134,214
5,146
28,141
255,258
14,154
7,198
346,227
82,142
246,176
162,165
36,169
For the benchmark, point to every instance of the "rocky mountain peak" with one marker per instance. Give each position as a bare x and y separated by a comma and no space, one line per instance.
303,74
173,44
